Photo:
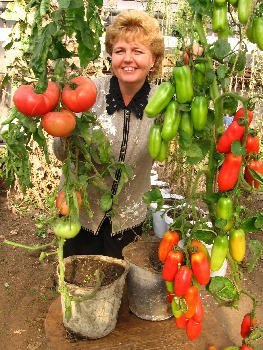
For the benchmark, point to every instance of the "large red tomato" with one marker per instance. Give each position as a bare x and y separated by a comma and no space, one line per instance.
28,102
59,123
79,95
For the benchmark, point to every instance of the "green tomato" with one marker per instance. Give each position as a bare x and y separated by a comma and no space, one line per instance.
199,111
224,210
154,140
219,252
66,229
186,124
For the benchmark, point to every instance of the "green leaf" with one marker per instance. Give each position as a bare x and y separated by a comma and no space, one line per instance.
237,148
230,105
205,235
222,48
194,154
106,201
220,223
202,7
253,224
256,175
44,6
154,196
222,71
64,4
223,289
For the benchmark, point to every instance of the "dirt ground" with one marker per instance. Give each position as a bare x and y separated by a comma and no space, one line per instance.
28,295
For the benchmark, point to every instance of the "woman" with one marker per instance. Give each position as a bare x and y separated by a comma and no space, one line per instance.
136,46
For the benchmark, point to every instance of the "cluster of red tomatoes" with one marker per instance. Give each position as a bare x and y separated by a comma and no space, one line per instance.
180,275
229,172
78,95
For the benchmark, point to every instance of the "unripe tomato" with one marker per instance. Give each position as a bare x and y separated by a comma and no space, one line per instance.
61,203
224,210
79,95
66,229
219,252
237,244
59,124
154,140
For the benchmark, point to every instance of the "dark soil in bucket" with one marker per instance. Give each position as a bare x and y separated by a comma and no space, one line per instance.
81,271
144,253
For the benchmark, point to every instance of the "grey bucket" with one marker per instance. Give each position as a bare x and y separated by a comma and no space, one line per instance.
96,317
145,286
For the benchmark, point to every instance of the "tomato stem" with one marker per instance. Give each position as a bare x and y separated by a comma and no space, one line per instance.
28,247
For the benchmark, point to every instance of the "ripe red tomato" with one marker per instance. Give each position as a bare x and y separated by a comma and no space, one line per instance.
197,246
199,310
169,240
247,323
182,280
240,114
252,144
233,133
79,95
193,329
246,347
181,321
170,267
257,165
59,124
201,268
28,102
61,203
191,298
229,172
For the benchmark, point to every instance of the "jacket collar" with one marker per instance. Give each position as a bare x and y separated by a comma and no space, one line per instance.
137,104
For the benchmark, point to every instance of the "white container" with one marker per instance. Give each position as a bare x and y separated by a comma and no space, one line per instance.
160,226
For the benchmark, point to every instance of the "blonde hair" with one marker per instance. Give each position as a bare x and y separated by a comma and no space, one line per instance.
130,24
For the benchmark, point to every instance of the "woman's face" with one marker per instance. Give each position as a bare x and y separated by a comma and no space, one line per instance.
131,61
